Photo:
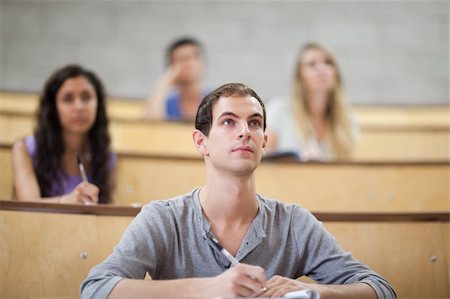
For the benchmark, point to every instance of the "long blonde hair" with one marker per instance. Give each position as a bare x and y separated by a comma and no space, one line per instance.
339,137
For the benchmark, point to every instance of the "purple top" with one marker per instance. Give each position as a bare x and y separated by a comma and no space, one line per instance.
67,182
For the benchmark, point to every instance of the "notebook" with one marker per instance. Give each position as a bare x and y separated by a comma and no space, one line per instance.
303,294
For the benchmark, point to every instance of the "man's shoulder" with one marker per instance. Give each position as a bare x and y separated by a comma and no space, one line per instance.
277,206
180,201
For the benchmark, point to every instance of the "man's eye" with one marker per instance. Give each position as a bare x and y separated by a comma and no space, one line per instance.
228,122
255,123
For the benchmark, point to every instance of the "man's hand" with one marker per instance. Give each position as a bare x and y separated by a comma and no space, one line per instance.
278,286
241,280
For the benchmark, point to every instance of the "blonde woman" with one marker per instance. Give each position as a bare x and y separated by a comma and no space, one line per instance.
316,123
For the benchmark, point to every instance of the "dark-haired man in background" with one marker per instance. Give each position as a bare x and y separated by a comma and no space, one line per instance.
180,89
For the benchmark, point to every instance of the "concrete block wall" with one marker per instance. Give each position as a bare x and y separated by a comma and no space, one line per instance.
390,52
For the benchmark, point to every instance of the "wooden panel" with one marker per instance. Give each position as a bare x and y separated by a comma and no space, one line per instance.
175,139
403,145
40,254
319,187
403,116
110,229
367,116
357,187
27,104
6,177
158,138
13,127
140,180
412,256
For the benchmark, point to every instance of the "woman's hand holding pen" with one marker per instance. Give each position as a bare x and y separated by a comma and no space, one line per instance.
84,193
242,280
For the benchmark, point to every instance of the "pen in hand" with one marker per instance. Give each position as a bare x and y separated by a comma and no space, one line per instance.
82,171
225,252
230,257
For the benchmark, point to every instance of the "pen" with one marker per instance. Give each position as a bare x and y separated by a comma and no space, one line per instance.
225,252
230,257
82,171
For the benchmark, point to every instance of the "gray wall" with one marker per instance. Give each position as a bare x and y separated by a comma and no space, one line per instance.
389,52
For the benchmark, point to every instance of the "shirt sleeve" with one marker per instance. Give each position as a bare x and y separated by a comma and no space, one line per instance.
326,262
145,239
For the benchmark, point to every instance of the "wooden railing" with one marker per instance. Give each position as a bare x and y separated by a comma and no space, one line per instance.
48,249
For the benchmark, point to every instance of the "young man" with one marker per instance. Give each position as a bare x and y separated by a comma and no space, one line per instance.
180,89
274,243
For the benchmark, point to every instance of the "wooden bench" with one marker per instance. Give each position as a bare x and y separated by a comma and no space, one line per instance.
368,116
26,103
48,249
335,187
415,143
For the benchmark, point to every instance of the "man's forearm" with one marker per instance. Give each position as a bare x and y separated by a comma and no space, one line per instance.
179,288
349,291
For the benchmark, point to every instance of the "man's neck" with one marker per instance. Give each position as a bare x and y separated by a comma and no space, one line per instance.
230,206
229,200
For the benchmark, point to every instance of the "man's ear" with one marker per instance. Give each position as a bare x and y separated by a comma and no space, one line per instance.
265,142
200,142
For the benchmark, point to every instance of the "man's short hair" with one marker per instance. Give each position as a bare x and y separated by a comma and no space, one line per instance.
180,42
203,119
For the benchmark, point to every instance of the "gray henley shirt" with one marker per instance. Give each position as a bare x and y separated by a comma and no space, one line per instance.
168,239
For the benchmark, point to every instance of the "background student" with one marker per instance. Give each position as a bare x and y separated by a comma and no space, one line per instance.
316,121
273,243
180,89
71,120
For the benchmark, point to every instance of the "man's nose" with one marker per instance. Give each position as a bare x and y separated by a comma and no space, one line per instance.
245,132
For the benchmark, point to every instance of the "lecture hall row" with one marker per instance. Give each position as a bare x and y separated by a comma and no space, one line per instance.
387,133
390,207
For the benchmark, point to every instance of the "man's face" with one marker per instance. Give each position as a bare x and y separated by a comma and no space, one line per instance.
236,139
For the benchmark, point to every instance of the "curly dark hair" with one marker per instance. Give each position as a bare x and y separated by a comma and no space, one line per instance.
48,135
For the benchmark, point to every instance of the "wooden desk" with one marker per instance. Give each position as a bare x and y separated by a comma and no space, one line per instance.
334,187
387,133
368,116
175,139
27,103
48,249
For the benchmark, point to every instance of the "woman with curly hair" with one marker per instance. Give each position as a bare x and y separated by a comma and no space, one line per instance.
316,123
71,121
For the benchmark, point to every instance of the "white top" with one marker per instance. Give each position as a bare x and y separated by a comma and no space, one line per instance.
281,120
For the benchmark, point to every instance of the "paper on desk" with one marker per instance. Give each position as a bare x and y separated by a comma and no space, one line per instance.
302,294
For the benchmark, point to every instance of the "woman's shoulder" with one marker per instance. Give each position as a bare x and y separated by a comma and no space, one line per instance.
27,144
